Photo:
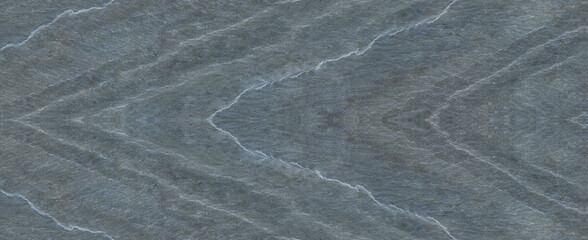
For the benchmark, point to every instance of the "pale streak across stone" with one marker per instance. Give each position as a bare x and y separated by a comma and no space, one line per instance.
356,52
316,172
441,225
519,201
554,66
216,32
218,209
479,83
175,188
68,12
389,32
146,94
580,120
240,23
134,141
481,158
54,155
36,94
202,37
39,129
82,148
360,188
258,87
558,176
207,204
62,99
235,139
287,1
434,118
287,238
162,58
203,203
200,202
521,38
154,148
67,227
441,14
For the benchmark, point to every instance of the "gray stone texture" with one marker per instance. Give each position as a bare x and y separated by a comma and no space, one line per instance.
293,119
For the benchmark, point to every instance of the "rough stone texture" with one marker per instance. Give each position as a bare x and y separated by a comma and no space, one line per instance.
294,119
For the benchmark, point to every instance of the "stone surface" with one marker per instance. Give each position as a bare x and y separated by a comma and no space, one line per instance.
293,119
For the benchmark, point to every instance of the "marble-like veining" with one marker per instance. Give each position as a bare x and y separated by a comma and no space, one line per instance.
293,119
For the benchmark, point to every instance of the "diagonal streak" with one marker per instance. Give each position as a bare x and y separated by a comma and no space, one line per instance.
68,12
479,83
357,52
67,227
480,158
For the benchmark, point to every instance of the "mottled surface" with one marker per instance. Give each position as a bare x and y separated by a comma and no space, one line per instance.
293,119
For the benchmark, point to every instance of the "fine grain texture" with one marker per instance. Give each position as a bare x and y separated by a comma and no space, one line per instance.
293,119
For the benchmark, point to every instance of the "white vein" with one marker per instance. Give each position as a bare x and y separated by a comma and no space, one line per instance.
67,227
205,36
219,209
358,187
521,38
60,100
287,238
317,67
441,14
389,32
83,148
201,202
208,35
286,1
434,118
361,188
37,147
160,181
207,204
68,12
554,66
558,176
479,83
481,158
235,139
162,58
441,225
356,52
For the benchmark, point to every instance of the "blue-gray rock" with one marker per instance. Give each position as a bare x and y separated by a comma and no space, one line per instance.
294,119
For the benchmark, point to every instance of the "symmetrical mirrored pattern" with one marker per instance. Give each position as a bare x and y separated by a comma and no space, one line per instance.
293,119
